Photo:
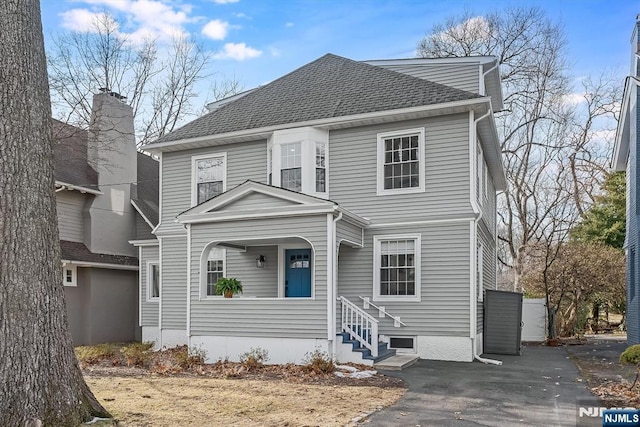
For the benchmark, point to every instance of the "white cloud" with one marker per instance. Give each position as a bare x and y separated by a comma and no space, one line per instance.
81,20
573,99
143,18
216,29
289,24
242,15
225,1
238,52
274,51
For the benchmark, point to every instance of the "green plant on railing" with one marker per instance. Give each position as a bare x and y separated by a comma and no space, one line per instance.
228,286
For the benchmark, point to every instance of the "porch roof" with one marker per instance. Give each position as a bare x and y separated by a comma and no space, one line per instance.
254,200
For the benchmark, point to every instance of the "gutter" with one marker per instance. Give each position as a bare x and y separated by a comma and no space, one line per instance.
473,314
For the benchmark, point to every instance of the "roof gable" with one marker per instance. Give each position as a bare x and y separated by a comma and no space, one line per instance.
328,87
253,199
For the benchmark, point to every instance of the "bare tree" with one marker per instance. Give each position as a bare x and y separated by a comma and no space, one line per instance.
41,380
159,88
539,128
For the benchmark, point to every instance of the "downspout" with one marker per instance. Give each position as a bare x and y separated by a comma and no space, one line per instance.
331,293
474,246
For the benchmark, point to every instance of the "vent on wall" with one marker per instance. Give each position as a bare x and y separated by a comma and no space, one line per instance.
402,343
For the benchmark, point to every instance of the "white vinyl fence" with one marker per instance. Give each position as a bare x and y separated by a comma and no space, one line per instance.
534,320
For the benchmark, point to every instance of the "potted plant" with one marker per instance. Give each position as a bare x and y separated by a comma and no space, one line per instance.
228,286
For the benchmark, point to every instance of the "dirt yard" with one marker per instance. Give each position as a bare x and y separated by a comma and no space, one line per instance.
141,387
152,400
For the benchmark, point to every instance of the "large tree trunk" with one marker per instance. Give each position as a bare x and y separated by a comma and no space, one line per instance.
40,377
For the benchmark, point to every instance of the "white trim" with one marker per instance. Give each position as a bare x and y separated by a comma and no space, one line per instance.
480,272
74,274
344,121
257,213
376,267
160,196
381,191
139,286
425,222
150,298
194,173
71,187
145,242
204,257
282,247
473,306
188,320
479,172
100,265
331,249
480,59
137,208
159,343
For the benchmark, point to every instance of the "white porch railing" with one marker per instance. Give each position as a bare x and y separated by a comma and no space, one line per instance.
381,312
360,325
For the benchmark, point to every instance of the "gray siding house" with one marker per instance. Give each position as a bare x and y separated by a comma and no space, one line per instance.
95,177
626,158
356,202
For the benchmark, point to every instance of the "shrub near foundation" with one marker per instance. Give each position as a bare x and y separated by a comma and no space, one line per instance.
137,354
319,362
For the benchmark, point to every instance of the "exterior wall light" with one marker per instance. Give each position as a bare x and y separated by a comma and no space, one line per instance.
260,261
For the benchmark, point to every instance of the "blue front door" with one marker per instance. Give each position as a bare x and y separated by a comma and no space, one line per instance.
297,273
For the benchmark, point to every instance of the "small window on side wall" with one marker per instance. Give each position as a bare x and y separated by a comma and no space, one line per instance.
153,281
212,270
69,275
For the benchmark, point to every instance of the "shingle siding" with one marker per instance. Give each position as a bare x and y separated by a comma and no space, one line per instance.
633,216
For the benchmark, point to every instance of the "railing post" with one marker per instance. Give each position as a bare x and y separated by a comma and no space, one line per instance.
374,339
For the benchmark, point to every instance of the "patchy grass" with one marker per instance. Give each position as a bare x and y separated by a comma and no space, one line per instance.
174,387
197,401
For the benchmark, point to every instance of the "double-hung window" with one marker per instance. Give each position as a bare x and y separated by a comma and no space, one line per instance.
153,281
397,268
291,166
401,160
209,175
214,269
69,275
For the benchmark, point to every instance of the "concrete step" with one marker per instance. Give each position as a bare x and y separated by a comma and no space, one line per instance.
397,362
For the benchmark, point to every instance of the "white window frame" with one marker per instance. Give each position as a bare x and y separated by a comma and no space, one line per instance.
194,173
325,167
204,270
74,275
377,240
151,298
480,272
381,191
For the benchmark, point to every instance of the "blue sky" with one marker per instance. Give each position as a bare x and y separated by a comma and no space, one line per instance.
256,41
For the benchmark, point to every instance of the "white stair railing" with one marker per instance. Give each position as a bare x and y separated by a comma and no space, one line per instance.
381,312
360,325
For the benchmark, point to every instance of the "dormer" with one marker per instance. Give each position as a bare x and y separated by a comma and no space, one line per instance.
297,159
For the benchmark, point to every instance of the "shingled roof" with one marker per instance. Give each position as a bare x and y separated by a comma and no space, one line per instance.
147,189
71,165
328,87
75,251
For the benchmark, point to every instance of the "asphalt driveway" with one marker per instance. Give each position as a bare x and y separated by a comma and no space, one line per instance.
542,387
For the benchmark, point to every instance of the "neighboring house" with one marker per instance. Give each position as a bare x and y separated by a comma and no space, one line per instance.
94,173
338,191
625,158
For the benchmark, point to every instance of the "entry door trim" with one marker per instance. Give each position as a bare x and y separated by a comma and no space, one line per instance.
281,269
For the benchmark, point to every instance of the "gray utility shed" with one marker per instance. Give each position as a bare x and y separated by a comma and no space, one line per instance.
502,322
